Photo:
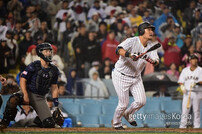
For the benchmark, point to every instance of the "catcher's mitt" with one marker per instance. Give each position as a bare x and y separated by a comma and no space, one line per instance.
58,117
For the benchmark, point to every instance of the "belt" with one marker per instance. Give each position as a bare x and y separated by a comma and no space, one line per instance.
125,74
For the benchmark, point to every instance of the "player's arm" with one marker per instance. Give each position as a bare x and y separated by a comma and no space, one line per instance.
182,88
55,94
122,52
23,83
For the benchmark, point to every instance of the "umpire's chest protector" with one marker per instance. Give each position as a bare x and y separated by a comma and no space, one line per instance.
42,78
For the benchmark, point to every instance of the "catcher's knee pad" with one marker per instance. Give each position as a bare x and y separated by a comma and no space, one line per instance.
48,123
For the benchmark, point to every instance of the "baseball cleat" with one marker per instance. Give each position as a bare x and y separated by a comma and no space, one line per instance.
117,128
132,122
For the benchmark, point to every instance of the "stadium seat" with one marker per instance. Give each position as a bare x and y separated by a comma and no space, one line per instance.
108,108
172,108
72,108
92,109
63,101
86,101
88,121
152,106
105,120
154,121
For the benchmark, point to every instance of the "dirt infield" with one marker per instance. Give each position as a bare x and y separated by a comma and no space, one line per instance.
102,130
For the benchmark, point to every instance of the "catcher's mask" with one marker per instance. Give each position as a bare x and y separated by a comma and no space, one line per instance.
40,48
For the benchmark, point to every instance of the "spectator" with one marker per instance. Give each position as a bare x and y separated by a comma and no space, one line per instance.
173,71
80,9
5,53
93,23
74,85
102,33
61,88
57,59
162,92
166,28
3,9
25,44
106,69
12,44
10,87
180,36
162,19
109,47
112,8
15,6
96,8
31,56
95,67
172,51
53,7
25,117
18,29
135,19
80,50
185,58
44,32
3,28
93,48
96,88
187,44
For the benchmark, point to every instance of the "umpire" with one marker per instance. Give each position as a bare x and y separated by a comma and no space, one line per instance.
35,82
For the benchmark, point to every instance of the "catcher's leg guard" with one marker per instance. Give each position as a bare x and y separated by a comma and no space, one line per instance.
11,109
48,123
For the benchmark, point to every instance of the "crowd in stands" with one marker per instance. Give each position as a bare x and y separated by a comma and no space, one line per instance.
85,33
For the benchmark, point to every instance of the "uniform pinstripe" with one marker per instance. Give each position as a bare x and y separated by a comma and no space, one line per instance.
187,77
127,77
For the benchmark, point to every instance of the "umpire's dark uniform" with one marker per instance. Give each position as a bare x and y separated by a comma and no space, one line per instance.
38,83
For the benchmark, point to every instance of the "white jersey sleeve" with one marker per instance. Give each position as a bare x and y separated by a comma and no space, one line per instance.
182,77
126,44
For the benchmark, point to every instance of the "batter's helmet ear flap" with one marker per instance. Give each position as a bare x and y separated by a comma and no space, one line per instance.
140,30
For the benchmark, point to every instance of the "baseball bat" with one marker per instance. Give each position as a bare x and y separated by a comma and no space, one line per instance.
189,98
156,46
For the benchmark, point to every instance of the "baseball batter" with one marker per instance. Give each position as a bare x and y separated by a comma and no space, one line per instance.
127,73
190,80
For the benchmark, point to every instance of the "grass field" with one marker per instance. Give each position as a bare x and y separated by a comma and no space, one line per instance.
101,131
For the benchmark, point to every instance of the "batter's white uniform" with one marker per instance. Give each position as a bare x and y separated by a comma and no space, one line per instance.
127,76
188,77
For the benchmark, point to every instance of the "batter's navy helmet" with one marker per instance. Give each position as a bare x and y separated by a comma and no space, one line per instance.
143,26
40,48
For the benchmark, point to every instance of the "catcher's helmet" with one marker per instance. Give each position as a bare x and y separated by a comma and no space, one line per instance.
40,48
143,26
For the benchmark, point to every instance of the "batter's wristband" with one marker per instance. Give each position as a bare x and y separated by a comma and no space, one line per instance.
56,102
127,54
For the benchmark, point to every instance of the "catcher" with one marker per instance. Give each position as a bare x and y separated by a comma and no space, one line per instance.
35,82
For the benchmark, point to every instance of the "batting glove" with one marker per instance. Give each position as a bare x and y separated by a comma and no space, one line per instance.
151,61
134,57
183,89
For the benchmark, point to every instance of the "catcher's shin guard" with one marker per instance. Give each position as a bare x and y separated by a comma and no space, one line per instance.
48,123
11,109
